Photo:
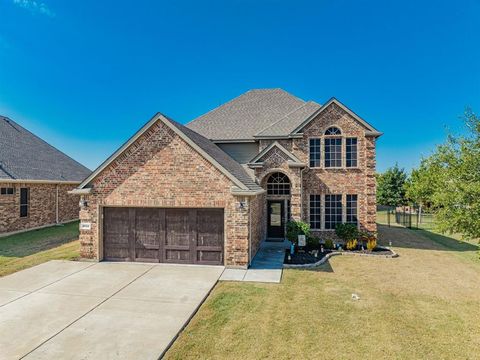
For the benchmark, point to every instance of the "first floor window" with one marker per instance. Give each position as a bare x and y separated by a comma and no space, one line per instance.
314,152
6,191
333,152
351,152
333,211
24,202
352,212
315,214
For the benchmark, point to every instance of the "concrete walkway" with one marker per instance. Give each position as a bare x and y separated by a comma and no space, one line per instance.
80,310
267,265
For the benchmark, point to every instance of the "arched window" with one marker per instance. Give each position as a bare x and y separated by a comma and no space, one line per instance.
333,131
278,184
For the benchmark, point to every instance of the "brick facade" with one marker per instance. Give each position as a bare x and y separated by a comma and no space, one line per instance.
321,181
162,170
42,206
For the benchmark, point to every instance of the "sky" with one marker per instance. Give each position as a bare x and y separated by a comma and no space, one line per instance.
85,75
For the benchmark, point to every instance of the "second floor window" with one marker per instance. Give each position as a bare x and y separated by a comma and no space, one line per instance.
333,152
351,152
314,152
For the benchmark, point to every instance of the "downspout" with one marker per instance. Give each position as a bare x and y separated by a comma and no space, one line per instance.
56,205
249,232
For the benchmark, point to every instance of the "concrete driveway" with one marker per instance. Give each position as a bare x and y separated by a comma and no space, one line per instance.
79,310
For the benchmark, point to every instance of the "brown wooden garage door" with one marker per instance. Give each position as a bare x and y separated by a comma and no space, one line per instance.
190,236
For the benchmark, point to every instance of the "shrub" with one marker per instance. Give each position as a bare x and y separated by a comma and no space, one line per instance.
347,232
351,244
371,243
328,244
295,228
313,242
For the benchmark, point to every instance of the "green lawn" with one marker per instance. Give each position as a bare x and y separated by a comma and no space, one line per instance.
421,305
31,248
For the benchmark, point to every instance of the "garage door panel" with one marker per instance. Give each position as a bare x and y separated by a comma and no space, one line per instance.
210,227
117,229
179,229
209,256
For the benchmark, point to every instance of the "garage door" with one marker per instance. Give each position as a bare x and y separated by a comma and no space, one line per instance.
188,236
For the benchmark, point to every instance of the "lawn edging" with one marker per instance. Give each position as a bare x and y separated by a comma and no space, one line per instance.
334,253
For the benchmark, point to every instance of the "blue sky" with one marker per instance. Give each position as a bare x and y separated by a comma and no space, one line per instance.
85,75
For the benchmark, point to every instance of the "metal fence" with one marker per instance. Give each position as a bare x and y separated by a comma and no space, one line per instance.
411,218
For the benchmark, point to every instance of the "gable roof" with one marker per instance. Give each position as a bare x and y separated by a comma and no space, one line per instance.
371,131
263,113
221,160
24,156
276,144
246,115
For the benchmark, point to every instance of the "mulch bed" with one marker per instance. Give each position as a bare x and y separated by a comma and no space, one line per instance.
305,256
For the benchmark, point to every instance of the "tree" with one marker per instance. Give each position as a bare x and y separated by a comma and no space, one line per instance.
422,184
456,193
391,187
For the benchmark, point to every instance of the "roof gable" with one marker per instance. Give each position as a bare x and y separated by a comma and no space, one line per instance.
371,131
24,156
229,167
292,158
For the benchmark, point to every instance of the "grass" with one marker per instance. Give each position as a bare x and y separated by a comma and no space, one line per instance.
21,251
421,305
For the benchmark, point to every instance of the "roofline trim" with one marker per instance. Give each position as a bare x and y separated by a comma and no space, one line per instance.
159,116
37,181
280,147
239,192
280,137
344,107
83,191
227,141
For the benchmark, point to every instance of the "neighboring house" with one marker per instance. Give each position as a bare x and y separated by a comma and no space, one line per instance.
34,181
211,191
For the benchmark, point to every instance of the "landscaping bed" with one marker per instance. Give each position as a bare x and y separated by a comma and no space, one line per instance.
311,255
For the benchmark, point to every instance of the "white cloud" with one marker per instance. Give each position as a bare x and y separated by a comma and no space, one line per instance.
35,7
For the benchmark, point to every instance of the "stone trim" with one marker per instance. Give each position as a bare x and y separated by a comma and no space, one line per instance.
335,253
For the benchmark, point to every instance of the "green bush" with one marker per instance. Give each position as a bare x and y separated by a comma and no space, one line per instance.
328,244
347,232
313,242
295,228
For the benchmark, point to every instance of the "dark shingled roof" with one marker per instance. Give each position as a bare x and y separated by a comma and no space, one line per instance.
233,167
24,156
249,114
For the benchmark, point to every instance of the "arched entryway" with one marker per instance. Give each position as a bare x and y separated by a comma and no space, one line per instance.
278,188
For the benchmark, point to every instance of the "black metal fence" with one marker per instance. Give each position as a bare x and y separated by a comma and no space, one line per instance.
412,218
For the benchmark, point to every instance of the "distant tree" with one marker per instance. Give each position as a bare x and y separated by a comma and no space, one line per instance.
391,187
422,184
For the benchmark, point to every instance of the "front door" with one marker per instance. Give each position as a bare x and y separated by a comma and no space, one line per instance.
276,219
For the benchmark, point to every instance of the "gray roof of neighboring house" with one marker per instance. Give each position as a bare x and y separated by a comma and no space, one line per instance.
24,156
246,115
233,167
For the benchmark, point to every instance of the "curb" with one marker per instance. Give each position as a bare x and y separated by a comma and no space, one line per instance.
334,253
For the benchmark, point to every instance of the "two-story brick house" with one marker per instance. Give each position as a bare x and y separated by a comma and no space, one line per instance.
211,191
